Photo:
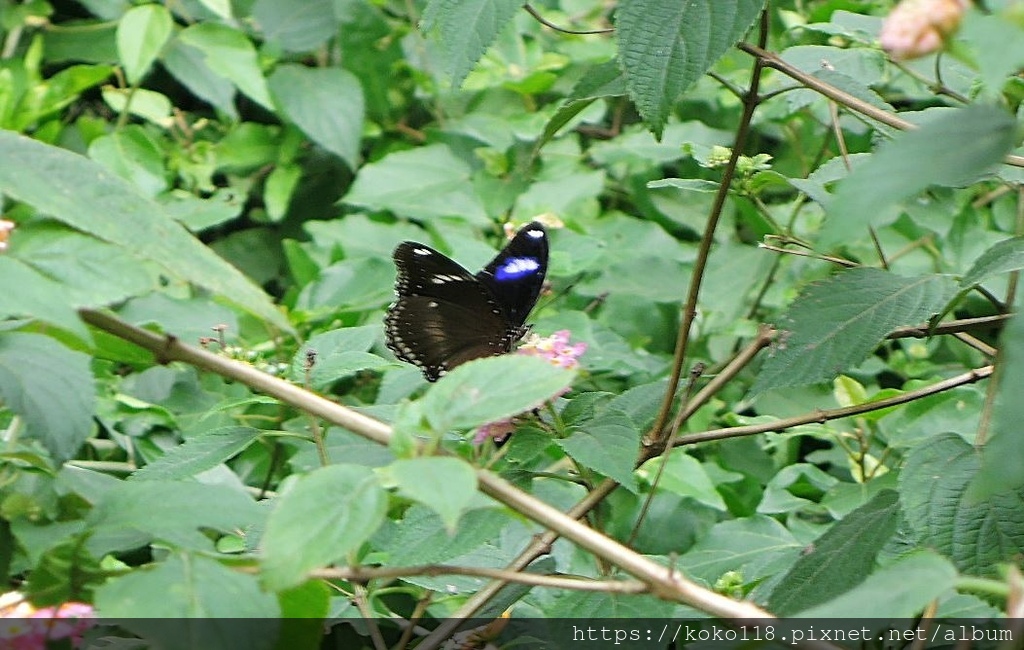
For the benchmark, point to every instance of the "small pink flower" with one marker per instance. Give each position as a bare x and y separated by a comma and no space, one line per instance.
919,27
558,351
24,627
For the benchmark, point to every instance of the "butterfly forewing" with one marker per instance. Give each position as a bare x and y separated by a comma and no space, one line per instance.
444,315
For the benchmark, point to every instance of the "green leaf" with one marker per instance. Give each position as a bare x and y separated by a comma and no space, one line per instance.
466,28
279,189
50,387
296,25
188,65
133,156
665,47
38,297
421,183
901,590
199,454
685,476
837,323
326,103
141,34
134,513
758,547
977,535
839,559
607,445
231,55
80,193
1006,256
1003,454
445,485
326,515
422,538
191,601
140,102
979,135
492,389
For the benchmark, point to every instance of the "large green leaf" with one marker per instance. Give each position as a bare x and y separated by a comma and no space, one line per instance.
835,324
901,590
607,445
326,103
199,453
421,183
977,535
492,389
38,296
839,559
80,193
191,601
296,25
1003,455
758,547
952,150
1006,256
50,387
466,28
141,33
327,514
230,54
684,475
135,513
422,538
445,485
664,47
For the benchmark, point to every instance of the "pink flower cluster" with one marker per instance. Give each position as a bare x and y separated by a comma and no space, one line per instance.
23,627
919,27
559,352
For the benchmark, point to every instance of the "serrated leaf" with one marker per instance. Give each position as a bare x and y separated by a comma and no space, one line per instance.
327,514
840,559
199,454
492,389
901,590
980,135
230,54
191,601
421,537
1006,256
296,25
466,28
39,297
976,535
420,183
50,387
141,34
757,546
835,324
445,485
134,513
1003,455
338,353
607,445
665,47
326,103
82,194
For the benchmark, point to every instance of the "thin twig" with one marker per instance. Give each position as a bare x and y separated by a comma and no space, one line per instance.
543,21
364,574
820,417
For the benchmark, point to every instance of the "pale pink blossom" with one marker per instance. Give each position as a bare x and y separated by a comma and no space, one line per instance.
25,627
918,27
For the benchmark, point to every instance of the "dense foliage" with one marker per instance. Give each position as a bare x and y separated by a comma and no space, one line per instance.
793,263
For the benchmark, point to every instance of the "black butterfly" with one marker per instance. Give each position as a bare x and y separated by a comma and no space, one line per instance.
445,316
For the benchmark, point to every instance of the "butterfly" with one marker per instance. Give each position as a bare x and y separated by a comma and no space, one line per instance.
445,316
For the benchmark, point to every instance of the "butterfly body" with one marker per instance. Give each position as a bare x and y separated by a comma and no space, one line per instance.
444,315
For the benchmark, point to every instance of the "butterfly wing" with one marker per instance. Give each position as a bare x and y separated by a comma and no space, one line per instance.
516,275
443,315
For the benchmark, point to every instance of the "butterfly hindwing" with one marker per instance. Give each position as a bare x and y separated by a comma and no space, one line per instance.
516,275
444,316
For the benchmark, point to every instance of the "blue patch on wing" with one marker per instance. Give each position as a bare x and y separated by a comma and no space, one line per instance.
516,268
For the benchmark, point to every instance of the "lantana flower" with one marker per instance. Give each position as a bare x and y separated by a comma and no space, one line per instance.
25,627
915,28
557,350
